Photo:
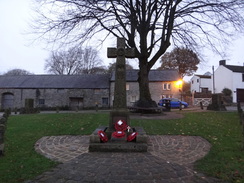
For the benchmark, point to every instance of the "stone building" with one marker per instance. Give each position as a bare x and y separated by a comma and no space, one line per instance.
81,91
74,91
162,84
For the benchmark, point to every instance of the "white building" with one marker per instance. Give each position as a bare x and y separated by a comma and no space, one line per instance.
201,83
225,76
231,77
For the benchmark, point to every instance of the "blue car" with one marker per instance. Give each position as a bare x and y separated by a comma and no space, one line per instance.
174,103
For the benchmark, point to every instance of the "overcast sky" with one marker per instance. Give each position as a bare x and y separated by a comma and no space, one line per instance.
17,52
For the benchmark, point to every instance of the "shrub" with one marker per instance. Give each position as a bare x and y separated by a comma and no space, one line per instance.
227,92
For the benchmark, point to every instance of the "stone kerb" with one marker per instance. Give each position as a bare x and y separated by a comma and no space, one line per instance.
94,138
142,136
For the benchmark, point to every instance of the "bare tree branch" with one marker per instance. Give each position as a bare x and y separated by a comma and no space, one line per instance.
150,26
74,61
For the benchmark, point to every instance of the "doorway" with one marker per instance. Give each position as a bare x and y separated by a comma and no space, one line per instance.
7,101
76,103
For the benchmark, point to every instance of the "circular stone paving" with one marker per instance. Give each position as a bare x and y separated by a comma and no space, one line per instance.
178,149
62,148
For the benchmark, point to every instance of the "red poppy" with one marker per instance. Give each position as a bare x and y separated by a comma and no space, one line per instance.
118,134
132,136
102,136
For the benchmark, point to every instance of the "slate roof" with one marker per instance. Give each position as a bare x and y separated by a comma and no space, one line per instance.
235,68
203,76
154,75
88,81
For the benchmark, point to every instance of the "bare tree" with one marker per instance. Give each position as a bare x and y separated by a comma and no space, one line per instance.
73,61
150,26
97,70
182,59
62,63
91,61
17,72
111,67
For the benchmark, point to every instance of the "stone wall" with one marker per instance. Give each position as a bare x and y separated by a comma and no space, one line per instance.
56,97
85,98
205,101
3,124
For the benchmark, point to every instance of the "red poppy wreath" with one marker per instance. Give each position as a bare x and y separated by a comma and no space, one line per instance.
118,134
132,136
102,136
120,125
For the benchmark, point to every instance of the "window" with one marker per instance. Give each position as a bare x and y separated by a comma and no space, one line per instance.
174,100
105,101
97,91
127,87
169,86
41,101
197,80
166,86
60,90
243,77
204,90
133,98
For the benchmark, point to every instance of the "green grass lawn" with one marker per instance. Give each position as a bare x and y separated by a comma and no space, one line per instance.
221,129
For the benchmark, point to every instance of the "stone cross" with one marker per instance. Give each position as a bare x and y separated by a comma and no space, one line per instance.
120,72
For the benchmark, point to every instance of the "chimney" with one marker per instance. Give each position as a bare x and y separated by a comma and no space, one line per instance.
222,62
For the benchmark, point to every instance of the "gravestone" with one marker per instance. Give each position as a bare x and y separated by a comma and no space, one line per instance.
119,112
217,103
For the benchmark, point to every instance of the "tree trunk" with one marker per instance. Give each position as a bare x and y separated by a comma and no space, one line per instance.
145,99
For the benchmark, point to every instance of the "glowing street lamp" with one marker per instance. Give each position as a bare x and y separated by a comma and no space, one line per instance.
179,83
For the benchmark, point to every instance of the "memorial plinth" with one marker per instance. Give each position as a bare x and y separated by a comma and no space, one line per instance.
118,145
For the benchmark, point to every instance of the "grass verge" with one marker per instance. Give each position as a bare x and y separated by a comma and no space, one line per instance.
226,157
221,129
21,162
